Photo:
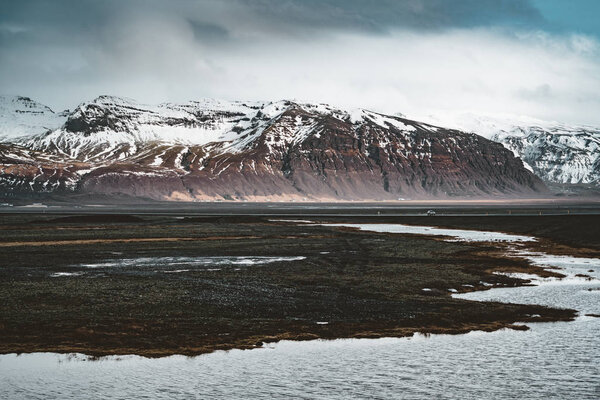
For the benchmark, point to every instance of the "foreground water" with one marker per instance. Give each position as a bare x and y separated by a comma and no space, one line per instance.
552,360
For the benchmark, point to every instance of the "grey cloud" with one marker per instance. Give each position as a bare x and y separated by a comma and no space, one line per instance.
381,54
87,23
215,17
205,30
540,92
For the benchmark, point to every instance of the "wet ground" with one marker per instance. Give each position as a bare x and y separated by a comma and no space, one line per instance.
175,284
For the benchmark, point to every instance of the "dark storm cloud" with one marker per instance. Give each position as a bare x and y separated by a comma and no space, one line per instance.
44,19
208,31
381,15
212,19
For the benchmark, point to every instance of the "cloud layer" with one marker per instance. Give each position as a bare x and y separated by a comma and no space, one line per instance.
413,56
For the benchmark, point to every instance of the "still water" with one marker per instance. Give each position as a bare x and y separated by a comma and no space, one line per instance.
552,360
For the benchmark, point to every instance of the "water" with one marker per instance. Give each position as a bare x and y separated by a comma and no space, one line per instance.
170,265
455,234
552,360
189,261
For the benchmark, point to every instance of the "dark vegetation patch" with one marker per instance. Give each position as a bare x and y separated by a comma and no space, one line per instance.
362,284
91,219
239,219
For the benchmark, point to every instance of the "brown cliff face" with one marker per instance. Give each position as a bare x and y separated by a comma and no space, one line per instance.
298,153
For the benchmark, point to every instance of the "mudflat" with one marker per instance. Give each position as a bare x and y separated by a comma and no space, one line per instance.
157,285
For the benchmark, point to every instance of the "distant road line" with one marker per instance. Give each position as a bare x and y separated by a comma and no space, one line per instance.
120,240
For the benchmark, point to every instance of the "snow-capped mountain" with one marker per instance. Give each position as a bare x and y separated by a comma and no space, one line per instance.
112,128
555,152
257,151
21,117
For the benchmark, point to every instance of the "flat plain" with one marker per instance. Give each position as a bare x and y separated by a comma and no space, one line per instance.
175,281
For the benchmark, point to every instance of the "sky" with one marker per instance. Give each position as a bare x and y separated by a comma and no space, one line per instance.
537,58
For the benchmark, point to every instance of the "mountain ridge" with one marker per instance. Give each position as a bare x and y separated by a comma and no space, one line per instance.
284,150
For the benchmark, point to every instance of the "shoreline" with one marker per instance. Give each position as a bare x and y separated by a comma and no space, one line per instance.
258,342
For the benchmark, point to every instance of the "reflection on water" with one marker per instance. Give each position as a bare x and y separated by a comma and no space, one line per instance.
552,360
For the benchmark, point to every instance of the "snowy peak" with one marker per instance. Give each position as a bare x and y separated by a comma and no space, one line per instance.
112,128
23,117
196,122
23,105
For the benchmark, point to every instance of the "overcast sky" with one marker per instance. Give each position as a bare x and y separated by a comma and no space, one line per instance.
539,58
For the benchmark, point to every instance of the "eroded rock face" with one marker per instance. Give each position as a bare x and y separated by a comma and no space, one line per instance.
258,151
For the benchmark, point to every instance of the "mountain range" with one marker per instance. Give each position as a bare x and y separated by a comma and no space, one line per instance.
282,150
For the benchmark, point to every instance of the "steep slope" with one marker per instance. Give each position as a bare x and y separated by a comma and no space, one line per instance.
282,150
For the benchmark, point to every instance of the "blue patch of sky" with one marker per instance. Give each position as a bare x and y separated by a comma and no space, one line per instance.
576,16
